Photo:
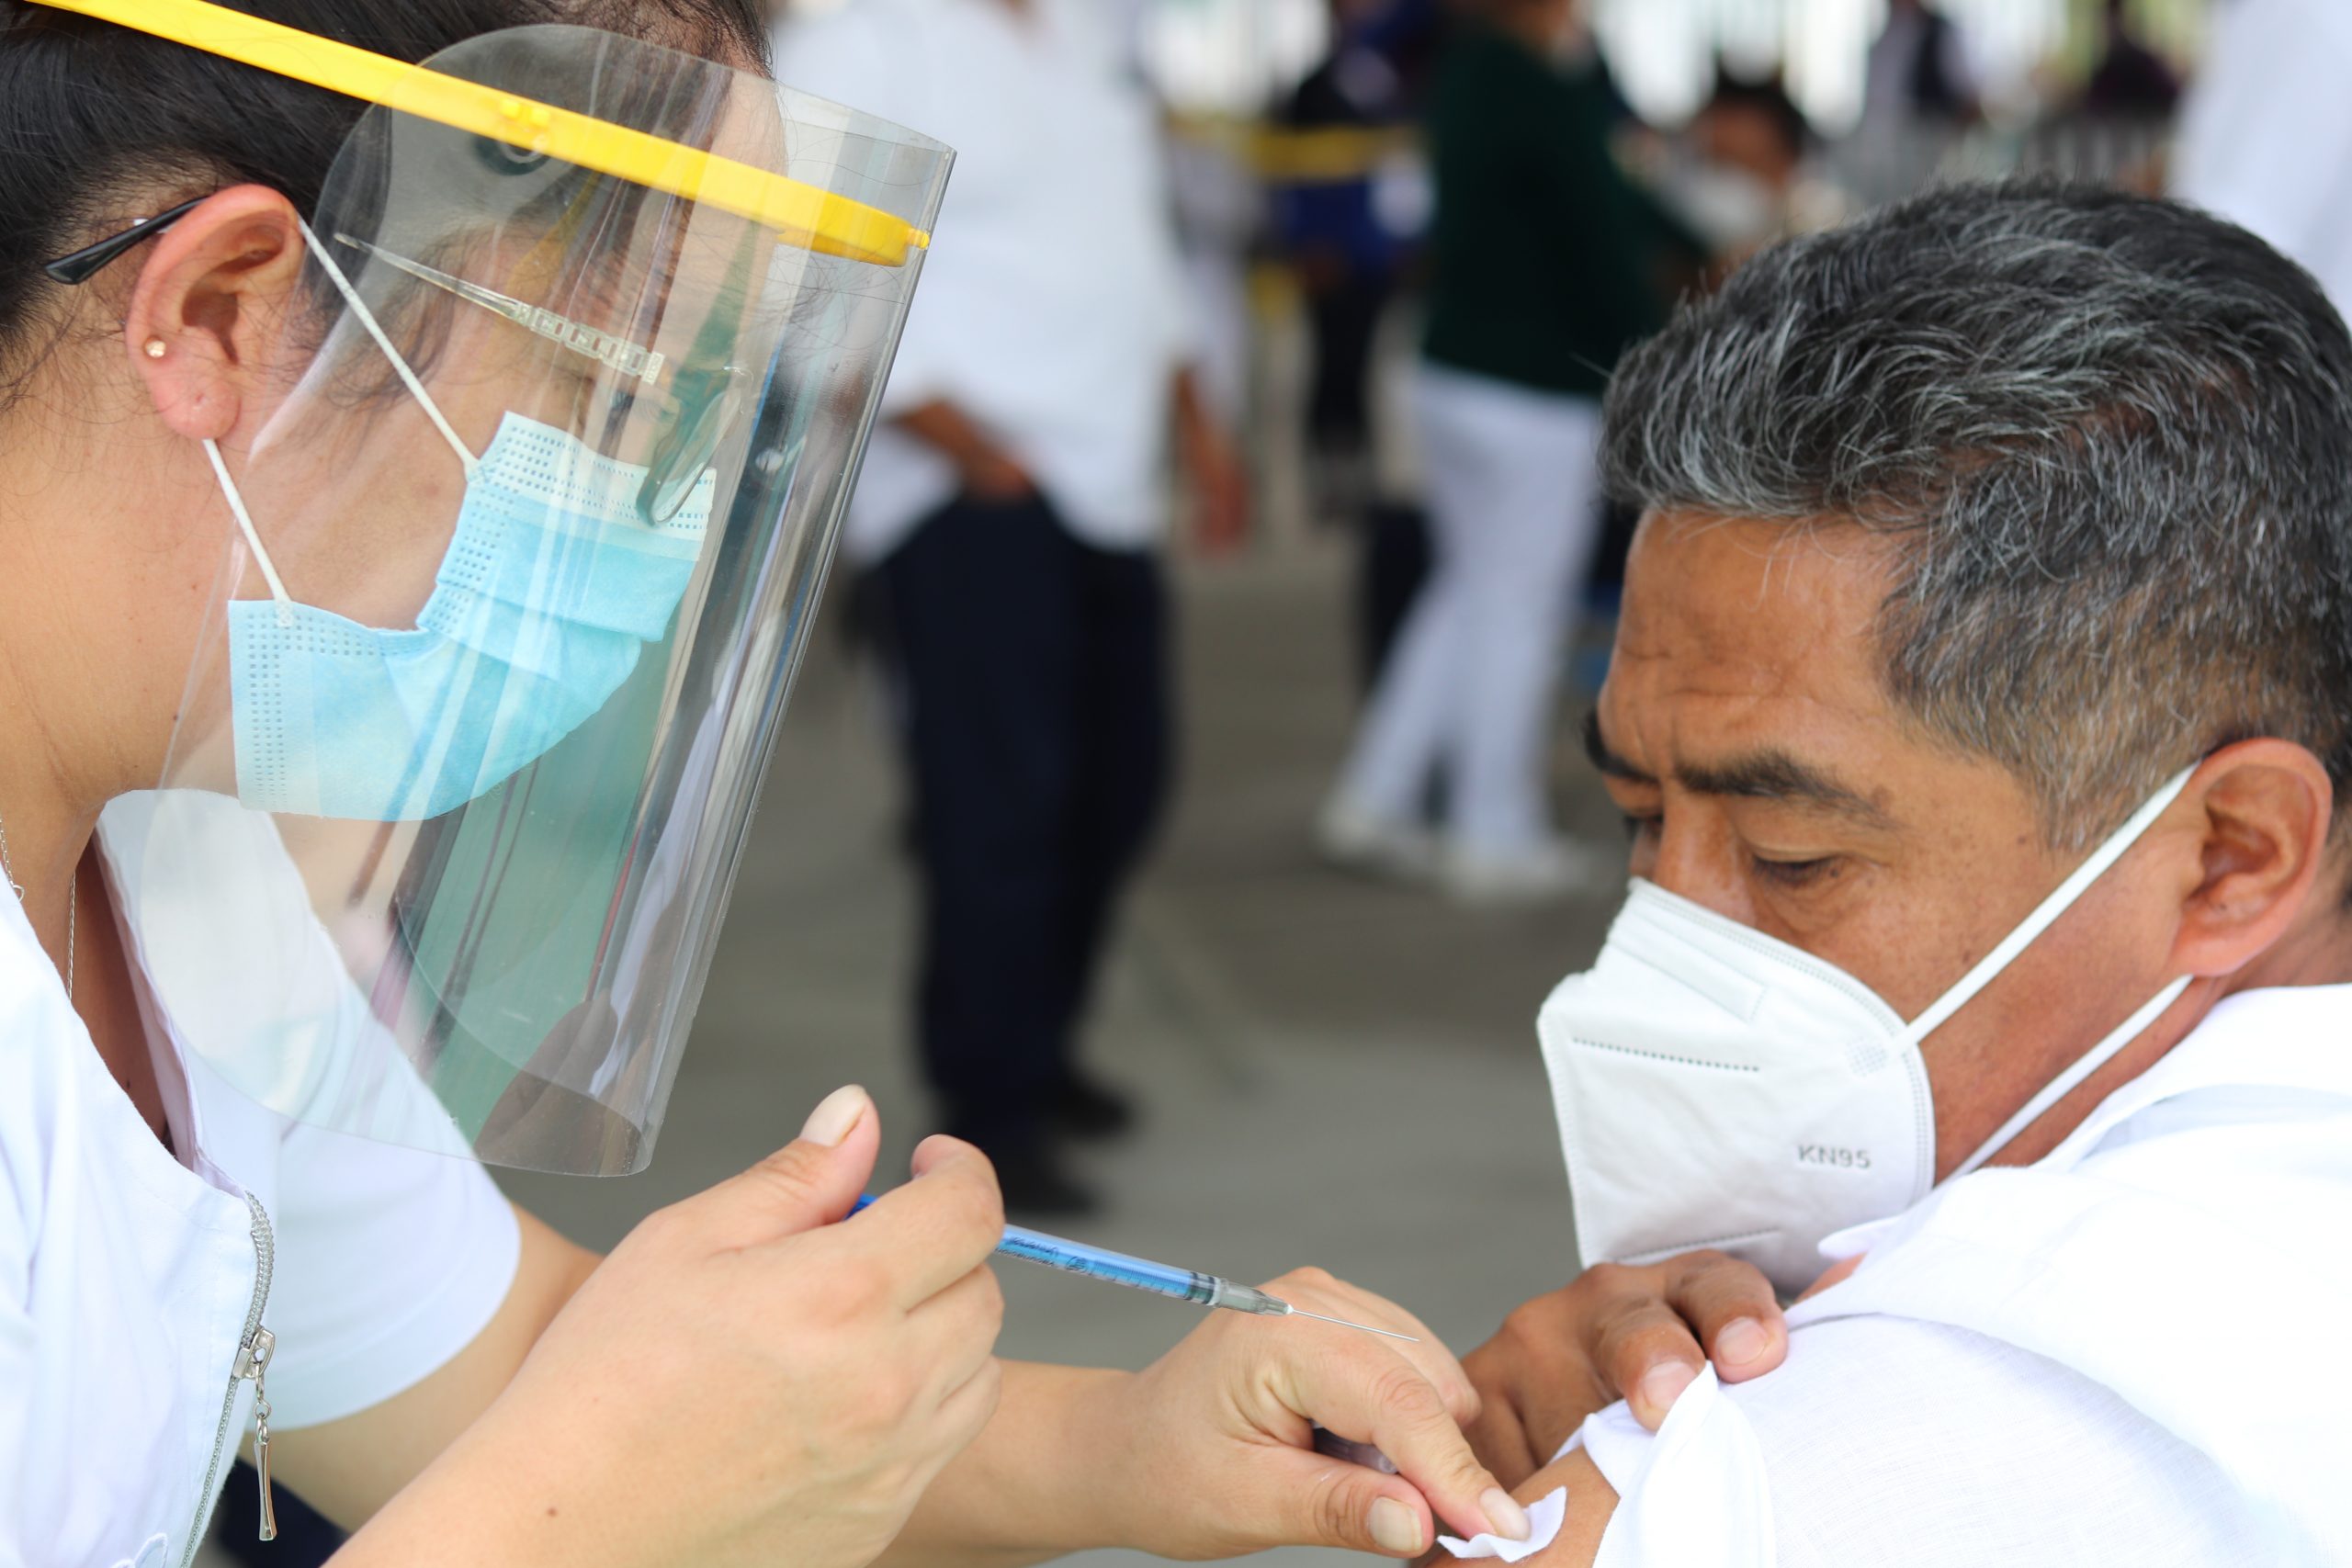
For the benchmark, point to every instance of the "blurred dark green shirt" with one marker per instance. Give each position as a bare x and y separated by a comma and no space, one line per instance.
1539,247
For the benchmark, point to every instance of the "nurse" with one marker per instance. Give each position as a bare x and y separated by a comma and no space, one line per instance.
418,481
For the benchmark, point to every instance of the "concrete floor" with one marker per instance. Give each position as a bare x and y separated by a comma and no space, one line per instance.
1335,1072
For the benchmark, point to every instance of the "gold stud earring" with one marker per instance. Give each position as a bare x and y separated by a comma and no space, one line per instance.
155,348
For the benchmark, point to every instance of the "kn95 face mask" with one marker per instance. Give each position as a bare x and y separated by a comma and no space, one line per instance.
1717,1087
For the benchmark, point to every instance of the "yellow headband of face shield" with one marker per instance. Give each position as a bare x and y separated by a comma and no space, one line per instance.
798,213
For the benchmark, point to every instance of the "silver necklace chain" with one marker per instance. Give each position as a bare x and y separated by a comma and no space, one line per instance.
73,902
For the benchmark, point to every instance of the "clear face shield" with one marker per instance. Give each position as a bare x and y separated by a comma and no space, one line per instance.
524,560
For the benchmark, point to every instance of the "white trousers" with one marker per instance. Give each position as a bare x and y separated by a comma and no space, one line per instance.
1513,484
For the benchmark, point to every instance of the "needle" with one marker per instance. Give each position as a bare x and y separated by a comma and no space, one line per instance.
1300,1311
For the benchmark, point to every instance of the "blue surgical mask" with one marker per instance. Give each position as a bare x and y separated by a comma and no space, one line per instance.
552,582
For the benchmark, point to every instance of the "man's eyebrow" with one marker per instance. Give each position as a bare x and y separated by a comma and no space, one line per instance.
1595,749
1773,774
1770,773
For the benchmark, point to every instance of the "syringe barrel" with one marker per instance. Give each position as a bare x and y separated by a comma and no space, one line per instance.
1101,1263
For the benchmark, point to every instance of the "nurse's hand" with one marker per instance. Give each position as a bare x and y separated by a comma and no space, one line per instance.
1618,1332
1209,1452
745,1380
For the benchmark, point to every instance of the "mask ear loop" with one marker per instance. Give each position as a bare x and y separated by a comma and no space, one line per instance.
399,366
2089,1062
2046,913
252,535
408,379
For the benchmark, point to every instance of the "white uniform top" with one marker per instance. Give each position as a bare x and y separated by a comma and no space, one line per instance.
1051,308
2266,134
2126,1353
128,1278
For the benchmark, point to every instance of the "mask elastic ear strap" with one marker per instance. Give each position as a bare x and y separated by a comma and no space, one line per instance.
252,535
2084,1065
2045,913
399,366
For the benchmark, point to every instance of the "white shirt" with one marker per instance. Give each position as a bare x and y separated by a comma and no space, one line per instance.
2266,134
1051,308
2126,1353
128,1278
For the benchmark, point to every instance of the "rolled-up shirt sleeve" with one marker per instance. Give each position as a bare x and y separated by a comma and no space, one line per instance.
389,1261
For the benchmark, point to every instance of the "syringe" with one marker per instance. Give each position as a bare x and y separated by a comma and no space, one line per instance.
1159,1278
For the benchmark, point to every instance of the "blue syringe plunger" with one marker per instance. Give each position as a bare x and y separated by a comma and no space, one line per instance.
1142,1274
1137,1273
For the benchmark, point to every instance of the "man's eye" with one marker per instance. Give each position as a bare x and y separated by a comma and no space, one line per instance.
1638,826
1794,873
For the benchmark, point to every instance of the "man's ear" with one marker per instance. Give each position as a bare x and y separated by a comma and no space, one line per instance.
2267,807
205,317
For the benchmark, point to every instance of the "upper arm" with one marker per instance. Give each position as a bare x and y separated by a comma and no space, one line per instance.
347,1468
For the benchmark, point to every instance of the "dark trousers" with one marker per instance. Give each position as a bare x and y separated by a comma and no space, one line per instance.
1343,320
1034,674
1394,564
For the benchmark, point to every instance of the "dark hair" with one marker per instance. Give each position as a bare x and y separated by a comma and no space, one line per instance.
95,118
1768,97
2110,437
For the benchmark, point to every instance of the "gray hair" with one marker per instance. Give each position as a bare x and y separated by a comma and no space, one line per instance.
2111,437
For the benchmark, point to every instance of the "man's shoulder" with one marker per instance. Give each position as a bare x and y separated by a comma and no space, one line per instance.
1898,1441
2127,1274
2275,1057
2271,1031
1909,1444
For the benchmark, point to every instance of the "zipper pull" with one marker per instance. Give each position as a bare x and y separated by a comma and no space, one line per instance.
252,1361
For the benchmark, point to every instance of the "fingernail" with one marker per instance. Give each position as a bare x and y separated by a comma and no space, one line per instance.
835,1115
1743,1341
1395,1530
1505,1518
1664,1383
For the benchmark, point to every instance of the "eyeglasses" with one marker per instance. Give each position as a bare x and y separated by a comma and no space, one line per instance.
696,405
615,353
84,263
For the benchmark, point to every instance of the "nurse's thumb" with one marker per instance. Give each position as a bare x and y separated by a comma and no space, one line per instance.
810,1181
1336,1504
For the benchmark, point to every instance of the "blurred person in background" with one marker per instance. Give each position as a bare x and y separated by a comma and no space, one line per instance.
1538,282
1010,514
1918,72
2130,80
1346,236
1746,180
1218,208
1919,93
2266,131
